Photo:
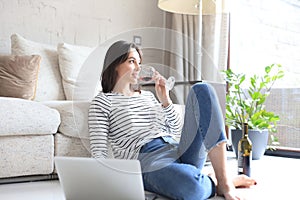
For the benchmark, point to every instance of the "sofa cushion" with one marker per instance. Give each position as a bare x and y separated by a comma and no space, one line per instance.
24,117
18,75
49,85
81,69
71,59
74,117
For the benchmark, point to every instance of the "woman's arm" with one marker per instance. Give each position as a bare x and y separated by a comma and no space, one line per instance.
173,120
99,127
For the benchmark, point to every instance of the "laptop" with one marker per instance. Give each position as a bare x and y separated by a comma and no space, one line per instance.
100,179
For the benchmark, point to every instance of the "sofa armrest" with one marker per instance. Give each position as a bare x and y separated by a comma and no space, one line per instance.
25,117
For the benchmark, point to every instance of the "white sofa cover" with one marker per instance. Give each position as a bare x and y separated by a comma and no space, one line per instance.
26,137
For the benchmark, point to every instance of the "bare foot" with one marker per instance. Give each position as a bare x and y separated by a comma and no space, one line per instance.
228,189
238,181
243,181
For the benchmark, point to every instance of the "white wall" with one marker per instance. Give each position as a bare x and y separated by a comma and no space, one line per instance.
80,22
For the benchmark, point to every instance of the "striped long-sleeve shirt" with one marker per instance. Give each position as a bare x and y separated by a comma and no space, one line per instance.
127,123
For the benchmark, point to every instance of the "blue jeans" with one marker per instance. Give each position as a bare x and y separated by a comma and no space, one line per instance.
174,169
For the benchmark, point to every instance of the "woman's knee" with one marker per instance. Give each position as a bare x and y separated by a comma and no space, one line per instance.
203,88
204,93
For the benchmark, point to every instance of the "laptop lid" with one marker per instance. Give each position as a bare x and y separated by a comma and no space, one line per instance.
100,179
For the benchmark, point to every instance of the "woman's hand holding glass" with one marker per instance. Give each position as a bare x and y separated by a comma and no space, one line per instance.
162,85
148,74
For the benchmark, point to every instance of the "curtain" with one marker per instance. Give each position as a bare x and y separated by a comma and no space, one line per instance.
214,46
184,49
184,41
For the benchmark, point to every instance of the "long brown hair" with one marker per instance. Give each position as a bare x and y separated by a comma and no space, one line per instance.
117,53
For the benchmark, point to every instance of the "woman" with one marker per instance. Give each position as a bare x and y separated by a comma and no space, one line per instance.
138,126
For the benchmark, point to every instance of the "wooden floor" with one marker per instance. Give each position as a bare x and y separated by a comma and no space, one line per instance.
277,178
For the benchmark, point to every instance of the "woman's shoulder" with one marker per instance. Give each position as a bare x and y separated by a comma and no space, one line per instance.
101,95
102,98
105,95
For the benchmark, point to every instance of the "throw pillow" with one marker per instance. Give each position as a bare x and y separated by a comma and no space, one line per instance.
81,68
71,59
18,75
49,86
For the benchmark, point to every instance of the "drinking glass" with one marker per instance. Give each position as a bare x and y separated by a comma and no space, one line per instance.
146,75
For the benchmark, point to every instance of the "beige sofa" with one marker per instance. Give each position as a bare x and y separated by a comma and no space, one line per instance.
33,133
54,123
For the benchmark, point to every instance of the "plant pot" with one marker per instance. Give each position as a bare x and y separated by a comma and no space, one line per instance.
259,141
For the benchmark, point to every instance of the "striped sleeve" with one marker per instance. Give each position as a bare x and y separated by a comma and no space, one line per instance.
173,120
98,121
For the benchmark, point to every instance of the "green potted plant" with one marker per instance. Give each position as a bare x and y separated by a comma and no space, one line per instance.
247,104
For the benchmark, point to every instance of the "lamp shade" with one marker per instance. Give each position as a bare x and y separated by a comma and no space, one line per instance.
191,7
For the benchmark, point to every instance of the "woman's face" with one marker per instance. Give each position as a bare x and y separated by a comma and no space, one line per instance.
129,70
